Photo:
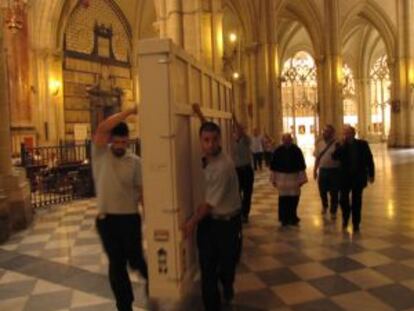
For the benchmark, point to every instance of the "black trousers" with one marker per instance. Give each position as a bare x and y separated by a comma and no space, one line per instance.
328,183
246,179
257,160
219,247
122,241
288,210
267,157
353,207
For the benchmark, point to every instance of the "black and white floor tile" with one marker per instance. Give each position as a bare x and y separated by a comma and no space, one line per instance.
58,263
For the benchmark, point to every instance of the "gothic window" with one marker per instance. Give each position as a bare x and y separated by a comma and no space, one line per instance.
380,97
349,96
299,95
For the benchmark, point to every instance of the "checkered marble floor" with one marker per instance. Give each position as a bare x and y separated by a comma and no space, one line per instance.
58,264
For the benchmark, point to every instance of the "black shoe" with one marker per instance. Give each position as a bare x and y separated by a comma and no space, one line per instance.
295,221
124,307
228,294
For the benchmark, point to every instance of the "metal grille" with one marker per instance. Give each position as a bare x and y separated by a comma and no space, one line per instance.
58,174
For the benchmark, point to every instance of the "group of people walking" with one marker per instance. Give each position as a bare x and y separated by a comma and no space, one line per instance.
342,167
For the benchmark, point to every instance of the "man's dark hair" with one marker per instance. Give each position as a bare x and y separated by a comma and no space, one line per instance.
120,130
209,127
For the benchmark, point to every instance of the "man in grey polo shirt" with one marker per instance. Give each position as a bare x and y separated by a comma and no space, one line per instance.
243,160
218,220
118,184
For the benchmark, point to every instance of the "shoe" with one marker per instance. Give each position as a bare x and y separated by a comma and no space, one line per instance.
356,230
245,219
295,222
228,294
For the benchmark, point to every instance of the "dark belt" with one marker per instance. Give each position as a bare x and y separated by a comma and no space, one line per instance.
226,217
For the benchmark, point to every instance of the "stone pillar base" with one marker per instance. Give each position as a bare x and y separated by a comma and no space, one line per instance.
5,225
16,188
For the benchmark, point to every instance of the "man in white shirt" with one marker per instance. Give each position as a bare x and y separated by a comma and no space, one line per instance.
118,184
327,171
218,219
256,147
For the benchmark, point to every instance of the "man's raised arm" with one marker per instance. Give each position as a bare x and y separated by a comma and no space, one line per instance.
199,113
103,131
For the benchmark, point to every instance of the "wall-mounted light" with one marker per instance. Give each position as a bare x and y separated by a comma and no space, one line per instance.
232,37
54,87
236,75
411,78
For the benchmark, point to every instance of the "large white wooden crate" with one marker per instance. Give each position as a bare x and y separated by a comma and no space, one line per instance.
170,81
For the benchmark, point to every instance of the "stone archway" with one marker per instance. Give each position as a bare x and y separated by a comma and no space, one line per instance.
47,36
367,24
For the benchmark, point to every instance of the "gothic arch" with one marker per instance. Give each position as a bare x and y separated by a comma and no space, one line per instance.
287,50
49,18
247,15
44,18
293,50
69,8
304,12
376,17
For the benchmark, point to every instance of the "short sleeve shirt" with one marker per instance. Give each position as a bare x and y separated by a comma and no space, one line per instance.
222,188
257,144
117,181
242,155
326,161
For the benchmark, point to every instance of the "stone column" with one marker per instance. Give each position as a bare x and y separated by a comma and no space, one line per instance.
277,117
5,154
321,107
4,217
18,212
251,79
410,35
195,25
269,101
402,71
364,115
217,33
171,20
330,69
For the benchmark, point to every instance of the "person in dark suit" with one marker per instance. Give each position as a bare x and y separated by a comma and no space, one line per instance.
357,168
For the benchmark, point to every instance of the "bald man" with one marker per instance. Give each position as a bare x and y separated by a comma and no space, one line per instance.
357,168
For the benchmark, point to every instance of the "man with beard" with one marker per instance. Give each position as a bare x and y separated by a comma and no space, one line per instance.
288,175
118,184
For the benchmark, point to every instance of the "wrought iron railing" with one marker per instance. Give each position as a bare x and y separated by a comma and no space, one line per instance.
58,174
